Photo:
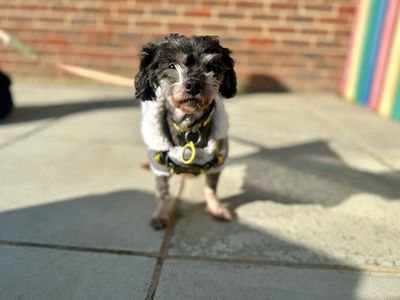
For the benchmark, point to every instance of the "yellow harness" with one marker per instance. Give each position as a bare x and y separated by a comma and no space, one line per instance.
173,168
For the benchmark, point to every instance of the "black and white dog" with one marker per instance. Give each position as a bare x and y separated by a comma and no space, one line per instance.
182,82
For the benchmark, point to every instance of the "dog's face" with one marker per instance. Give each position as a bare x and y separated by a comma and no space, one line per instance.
188,72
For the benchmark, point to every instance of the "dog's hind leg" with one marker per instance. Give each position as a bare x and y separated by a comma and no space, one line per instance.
163,212
214,207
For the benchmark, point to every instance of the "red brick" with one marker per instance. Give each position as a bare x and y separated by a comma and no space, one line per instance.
288,5
148,24
214,27
346,10
332,20
315,31
249,4
203,13
317,7
230,15
184,28
131,11
281,29
300,19
51,41
222,3
342,33
265,17
147,1
259,41
295,43
165,12
247,28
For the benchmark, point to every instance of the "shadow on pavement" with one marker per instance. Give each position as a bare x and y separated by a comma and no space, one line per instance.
31,113
309,173
119,220
262,83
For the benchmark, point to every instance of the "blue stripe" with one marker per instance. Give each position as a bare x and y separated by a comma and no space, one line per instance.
372,55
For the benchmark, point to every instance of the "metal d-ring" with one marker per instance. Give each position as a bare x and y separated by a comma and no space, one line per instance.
197,131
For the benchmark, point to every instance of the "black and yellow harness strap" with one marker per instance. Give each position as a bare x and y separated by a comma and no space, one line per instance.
173,168
202,123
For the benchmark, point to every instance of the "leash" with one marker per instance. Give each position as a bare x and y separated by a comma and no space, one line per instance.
8,40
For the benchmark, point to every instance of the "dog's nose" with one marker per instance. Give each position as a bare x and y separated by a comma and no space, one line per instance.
193,87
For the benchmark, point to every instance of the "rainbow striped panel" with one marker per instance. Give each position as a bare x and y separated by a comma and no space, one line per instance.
371,43
384,52
396,109
391,79
356,52
371,74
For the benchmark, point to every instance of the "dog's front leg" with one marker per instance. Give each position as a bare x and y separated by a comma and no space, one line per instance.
214,207
163,212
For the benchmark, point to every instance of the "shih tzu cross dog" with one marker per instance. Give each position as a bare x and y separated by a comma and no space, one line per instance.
182,82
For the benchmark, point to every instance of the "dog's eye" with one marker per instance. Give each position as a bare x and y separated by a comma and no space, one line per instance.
211,68
171,66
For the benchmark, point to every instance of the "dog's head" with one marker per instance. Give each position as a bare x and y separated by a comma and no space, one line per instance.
188,71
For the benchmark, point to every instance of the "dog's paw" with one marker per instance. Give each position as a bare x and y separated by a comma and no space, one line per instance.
159,223
220,213
145,164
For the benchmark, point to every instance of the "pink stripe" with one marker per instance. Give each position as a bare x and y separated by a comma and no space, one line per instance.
349,58
383,54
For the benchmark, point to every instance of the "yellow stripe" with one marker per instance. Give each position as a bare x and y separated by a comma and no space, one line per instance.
392,75
350,92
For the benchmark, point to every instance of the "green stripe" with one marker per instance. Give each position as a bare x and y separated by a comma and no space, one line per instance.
22,48
396,109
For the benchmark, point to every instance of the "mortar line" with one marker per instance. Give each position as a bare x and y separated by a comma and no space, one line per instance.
77,248
359,142
163,253
295,265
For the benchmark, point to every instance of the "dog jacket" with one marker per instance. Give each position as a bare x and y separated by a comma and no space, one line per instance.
166,159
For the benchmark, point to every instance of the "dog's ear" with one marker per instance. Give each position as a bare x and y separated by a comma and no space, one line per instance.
144,85
228,85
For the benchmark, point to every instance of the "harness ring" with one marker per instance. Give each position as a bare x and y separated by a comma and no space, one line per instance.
197,131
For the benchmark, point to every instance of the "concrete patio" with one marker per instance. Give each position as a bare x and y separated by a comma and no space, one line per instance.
313,181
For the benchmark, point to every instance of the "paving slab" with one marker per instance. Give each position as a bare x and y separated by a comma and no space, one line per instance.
279,120
212,280
101,125
377,133
78,181
37,105
36,93
296,201
67,193
34,273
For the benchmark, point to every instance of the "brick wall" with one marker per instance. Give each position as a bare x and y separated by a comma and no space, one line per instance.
294,44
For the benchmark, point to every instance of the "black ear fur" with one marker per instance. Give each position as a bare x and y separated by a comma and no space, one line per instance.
228,85
143,87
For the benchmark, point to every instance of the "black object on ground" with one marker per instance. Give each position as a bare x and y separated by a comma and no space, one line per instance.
6,102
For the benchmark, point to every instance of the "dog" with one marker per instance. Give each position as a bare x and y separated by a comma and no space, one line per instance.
182,82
